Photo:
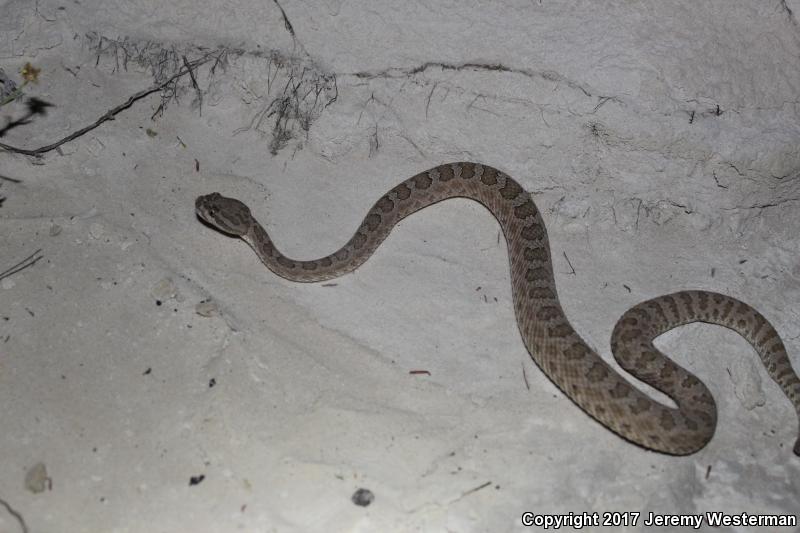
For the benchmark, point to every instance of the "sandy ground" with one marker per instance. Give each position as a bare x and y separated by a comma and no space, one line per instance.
166,381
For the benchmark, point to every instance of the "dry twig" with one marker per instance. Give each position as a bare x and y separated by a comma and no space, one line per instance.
22,265
13,512
111,113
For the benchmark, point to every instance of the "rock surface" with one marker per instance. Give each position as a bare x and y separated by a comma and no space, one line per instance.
171,383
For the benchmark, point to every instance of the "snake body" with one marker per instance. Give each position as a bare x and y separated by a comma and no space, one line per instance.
554,345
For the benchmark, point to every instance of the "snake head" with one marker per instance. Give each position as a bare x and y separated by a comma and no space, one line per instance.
225,214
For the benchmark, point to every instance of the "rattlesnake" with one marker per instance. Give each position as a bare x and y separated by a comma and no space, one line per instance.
559,351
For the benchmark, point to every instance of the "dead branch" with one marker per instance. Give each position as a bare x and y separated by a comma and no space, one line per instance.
22,265
111,113
13,512
286,23
194,84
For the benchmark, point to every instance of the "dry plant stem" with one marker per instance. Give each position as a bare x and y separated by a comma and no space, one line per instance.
111,113
22,265
194,84
13,512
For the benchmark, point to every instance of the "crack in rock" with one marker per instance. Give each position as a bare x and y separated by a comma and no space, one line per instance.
399,72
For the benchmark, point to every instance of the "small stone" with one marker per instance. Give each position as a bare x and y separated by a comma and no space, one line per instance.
362,497
55,229
96,230
164,290
207,308
36,480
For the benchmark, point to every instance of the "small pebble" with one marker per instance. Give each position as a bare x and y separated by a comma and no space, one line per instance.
96,230
207,308
164,290
36,480
362,497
